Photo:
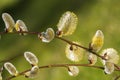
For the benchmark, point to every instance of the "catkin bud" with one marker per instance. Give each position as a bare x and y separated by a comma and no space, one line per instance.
109,68
31,58
74,53
92,58
0,76
11,68
47,36
73,70
67,24
111,55
20,26
32,73
1,69
9,22
97,41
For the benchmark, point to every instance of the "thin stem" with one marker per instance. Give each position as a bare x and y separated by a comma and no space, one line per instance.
118,67
69,42
87,49
65,40
57,65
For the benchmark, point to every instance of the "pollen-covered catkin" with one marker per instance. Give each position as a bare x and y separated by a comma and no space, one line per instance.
97,41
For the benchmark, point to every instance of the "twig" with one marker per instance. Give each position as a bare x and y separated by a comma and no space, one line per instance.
87,49
117,66
60,38
57,65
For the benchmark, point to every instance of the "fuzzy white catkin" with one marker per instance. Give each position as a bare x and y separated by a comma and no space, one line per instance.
20,26
74,53
73,70
47,36
33,72
111,55
9,22
92,58
11,68
109,67
0,77
67,23
31,58
1,69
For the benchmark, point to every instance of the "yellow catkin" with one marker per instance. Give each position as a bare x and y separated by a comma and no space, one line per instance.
97,41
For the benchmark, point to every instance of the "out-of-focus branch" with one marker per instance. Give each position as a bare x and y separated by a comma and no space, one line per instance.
57,65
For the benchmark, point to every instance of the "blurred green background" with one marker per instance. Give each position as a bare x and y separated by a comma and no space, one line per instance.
41,14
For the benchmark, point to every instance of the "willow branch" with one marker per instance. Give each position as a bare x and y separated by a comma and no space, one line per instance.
56,65
85,48
65,40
